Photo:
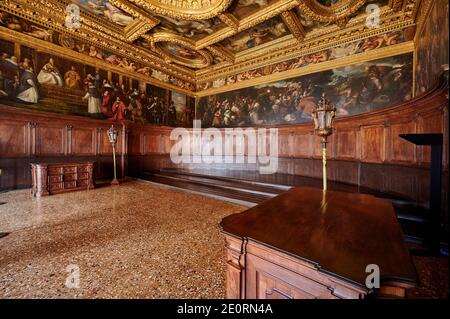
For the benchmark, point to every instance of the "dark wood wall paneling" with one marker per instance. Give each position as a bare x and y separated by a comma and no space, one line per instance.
364,150
30,136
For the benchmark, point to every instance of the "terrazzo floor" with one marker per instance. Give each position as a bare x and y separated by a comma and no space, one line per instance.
133,241
137,240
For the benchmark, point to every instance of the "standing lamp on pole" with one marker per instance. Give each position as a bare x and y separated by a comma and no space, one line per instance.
112,135
323,116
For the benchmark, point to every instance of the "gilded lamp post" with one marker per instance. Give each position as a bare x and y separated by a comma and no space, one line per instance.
323,116
112,136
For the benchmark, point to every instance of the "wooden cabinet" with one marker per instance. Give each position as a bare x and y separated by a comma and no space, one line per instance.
307,244
61,177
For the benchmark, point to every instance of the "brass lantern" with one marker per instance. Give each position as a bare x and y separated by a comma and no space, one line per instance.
323,116
112,136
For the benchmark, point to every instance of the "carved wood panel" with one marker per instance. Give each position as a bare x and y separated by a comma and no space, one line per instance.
284,144
14,138
135,145
430,123
51,140
373,144
83,141
152,143
400,149
302,146
346,144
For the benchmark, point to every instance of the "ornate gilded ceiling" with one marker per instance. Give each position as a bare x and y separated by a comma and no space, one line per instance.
199,41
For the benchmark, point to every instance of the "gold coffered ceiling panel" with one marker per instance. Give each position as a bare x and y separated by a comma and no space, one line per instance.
199,41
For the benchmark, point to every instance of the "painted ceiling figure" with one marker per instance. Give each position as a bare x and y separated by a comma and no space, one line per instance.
188,29
182,51
116,15
50,75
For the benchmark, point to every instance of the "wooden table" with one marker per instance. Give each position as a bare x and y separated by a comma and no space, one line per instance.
309,244
61,177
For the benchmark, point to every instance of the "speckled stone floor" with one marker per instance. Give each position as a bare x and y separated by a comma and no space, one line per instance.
133,241
138,240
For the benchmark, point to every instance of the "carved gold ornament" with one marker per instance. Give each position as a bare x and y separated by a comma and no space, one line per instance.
338,11
211,61
185,9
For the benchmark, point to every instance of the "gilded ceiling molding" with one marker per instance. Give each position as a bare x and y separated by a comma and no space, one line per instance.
185,9
313,42
341,9
215,38
142,24
39,11
267,12
293,23
254,19
222,52
271,55
402,48
103,33
342,23
396,5
230,20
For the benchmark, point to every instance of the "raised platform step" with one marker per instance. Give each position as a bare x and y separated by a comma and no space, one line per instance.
252,188
247,198
245,185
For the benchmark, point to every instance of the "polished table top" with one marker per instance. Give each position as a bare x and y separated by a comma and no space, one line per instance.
340,233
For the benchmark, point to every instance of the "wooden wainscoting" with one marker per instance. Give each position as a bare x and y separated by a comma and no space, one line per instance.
364,150
28,136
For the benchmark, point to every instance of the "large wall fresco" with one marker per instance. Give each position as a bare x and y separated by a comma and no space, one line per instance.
47,82
26,27
353,89
432,47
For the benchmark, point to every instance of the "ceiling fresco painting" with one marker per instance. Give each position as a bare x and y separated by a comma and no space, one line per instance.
193,30
327,3
265,32
181,51
193,43
106,9
243,8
